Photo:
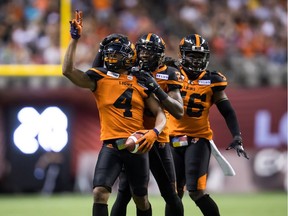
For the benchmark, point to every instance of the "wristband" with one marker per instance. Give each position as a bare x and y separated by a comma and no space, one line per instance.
156,131
238,138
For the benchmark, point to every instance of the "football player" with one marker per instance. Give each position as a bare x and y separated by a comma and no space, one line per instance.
163,81
191,135
121,113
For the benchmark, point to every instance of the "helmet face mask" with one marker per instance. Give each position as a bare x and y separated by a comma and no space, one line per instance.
195,61
119,56
148,59
150,51
194,54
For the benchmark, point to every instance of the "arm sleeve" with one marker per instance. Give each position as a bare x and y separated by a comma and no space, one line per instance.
230,117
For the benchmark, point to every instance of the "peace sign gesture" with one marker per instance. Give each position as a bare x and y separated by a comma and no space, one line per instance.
76,25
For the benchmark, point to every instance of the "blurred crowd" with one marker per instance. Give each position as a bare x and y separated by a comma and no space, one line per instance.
29,32
248,38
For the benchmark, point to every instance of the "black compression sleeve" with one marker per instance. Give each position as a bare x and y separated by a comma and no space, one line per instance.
227,111
98,61
160,94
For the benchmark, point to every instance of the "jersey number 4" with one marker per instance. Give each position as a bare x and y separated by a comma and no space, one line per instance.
124,102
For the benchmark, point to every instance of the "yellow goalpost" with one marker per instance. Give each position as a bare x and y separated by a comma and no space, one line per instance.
44,69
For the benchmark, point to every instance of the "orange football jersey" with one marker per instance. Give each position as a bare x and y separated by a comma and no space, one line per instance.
197,99
167,78
120,101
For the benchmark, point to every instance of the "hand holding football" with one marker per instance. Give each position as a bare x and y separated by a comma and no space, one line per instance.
131,142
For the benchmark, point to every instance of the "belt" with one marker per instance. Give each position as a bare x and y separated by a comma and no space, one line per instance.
116,143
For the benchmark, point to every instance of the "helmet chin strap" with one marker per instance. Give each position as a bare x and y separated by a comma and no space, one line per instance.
147,67
194,71
193,75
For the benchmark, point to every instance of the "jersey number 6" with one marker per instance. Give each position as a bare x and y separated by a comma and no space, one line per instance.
192,104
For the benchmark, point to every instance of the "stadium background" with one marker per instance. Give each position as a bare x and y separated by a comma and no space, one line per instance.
248,41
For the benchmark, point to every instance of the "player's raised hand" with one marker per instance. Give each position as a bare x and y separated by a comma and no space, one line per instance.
146,142
76,25
237,145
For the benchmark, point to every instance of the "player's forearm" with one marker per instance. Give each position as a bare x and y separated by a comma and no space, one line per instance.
174,107
160,121
68,63
77,76
230,117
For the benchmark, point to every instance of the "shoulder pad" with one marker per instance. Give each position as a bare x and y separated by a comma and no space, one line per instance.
169,61
216,76
96,73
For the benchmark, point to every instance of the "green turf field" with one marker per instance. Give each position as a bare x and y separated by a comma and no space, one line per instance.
264,204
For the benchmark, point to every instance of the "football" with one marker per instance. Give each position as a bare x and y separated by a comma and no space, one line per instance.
131,142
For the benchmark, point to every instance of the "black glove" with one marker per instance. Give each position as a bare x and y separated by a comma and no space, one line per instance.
147,80
76,25
237,145
113,37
